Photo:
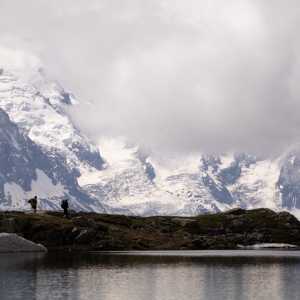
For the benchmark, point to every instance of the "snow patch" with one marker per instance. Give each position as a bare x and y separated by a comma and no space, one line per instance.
178,165
118,158
226,161
15,195
257,185
42,187
268,246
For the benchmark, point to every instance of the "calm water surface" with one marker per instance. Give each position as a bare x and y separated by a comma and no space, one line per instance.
171,275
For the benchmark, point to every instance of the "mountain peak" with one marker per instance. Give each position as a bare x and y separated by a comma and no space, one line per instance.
38,106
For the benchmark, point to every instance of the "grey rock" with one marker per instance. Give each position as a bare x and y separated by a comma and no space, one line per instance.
10,242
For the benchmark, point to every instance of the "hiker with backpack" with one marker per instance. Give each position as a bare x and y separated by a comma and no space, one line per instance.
65,206
33,203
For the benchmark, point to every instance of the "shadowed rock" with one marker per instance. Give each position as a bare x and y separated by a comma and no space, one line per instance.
91,231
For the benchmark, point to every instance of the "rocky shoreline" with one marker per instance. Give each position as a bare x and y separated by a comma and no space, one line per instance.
101,232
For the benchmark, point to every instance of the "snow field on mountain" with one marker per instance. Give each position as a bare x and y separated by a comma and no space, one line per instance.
257,185
42,186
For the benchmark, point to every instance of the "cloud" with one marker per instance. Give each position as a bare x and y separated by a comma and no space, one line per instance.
175,76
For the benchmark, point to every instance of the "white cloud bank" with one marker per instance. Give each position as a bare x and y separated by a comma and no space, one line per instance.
178,76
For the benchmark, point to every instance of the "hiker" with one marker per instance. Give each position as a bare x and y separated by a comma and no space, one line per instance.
33,203
65,206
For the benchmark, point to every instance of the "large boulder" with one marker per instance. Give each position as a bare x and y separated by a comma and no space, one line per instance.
10,242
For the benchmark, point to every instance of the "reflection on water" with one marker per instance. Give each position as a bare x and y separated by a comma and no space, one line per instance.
152,275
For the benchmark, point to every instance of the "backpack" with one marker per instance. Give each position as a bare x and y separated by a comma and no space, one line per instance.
64,204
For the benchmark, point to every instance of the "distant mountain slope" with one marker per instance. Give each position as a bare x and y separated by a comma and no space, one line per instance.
25,170
195,184
44,153
38,106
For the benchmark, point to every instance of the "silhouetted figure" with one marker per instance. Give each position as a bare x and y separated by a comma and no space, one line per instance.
65,206
33,203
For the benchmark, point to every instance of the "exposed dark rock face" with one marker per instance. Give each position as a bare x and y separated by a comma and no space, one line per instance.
20,158
289,181
91,231
16,151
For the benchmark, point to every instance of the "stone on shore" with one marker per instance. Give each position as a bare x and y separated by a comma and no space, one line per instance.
10,242
268,246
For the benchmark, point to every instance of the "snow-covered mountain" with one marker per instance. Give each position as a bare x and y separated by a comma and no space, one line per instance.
42,152
26,170
51,151
38,107
184,186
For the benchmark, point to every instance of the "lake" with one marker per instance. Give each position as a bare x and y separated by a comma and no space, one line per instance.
162,275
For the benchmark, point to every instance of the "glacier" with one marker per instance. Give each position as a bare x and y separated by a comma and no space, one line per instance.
44,153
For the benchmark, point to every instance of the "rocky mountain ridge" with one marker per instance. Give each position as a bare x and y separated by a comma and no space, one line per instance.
90,231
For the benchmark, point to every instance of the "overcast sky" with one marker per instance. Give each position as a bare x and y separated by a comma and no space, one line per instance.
173,75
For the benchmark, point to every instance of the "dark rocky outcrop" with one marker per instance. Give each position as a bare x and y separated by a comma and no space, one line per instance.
91,231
